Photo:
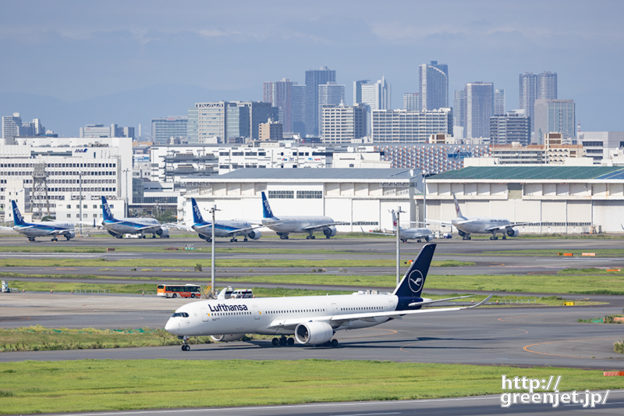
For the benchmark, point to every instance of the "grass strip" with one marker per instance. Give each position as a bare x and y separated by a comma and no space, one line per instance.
105,385
205,263
599,252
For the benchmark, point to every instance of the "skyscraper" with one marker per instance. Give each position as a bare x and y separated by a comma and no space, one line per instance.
479,108
547,86
165,128
533,87
314,78
357,90
459,109
279,95
499,101
297,101
342,123
411,101
329,94
376,95
554,116
434,84
11,126
510,127
220,122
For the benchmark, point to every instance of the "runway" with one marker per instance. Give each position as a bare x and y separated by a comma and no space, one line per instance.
503,336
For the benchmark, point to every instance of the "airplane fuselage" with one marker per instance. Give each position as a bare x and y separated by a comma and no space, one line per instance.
479,225
44,229
295,224
133,226
223,228
260,315
415,234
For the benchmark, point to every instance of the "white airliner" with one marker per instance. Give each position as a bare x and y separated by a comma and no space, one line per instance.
223,228
406,234
41,229
466,226
285,225
118,227
313,320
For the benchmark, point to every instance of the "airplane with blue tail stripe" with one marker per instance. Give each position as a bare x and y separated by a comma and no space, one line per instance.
118,227
41,229
223,228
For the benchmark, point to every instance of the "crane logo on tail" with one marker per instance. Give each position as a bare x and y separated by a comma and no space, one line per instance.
415,281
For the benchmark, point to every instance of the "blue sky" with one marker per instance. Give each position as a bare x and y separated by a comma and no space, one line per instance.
75,62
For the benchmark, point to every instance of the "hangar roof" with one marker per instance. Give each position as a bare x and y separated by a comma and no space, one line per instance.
314,173
534,172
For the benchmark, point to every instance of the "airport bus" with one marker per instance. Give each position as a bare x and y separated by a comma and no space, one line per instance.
183,291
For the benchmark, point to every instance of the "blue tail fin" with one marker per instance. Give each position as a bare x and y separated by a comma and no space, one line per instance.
106,212
412,284
197,217
266,208
17,215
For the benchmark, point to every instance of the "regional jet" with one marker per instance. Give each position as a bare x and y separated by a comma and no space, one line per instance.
118,227
313,320
41,229
285,225
466,226
223,228
406,234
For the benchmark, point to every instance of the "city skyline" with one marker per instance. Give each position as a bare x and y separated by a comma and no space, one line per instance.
73,63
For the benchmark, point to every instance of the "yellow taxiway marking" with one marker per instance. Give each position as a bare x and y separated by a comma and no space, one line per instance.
528,347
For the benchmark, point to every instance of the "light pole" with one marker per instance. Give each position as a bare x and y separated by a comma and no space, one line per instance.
213,211
80,181
397,230
125,171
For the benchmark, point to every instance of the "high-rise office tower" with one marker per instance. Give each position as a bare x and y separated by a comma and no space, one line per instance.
279,95
510,127
11,126
314,78
357,90
400,126
547,86
499,101
459,110
533,87
434,82
556,116
166,128
297,100
411,101
479,108
223,121
376,95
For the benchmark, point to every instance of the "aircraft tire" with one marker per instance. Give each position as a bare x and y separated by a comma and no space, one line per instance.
334,342
291,341
186,347
275,342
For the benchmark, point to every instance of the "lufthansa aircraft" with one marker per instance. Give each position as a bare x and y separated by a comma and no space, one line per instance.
223,228
41,229
313,320
285,225
405,234
118,227
466,226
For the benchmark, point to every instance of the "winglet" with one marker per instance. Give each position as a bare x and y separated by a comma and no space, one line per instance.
106,212
266,208
476,305
17,215
197,216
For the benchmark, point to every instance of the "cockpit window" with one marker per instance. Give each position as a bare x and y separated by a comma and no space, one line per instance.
180,315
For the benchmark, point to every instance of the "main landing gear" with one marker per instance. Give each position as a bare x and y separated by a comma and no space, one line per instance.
185,345
282,341
310,237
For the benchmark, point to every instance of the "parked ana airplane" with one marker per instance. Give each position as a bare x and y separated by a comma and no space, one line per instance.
284,225
41,229
313,320
223,228
118,227
406,234
466,226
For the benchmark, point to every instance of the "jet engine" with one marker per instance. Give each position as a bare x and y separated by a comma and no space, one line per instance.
313,333
69,235
461,233
329,231
512,232
254,234
114,234
227,337
163,233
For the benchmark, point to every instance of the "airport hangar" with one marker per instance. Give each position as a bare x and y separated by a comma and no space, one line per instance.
550,199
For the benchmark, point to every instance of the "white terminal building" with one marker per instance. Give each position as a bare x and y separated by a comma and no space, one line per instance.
48,176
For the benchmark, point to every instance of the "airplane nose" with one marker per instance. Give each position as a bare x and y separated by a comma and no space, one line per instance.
171,326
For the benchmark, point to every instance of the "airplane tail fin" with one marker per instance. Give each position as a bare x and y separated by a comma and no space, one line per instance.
412,284
106,212
457,209
394,219
17,215
266,208
197,216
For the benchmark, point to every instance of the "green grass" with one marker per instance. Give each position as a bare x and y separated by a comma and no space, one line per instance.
38,338
600,252
619,347
168,263
92,385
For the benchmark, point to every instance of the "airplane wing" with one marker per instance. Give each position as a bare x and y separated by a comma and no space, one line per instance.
317,226
243,230
340,319
504,227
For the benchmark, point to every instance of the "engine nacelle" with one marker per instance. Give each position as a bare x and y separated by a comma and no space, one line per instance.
163,233
254,234
227,337
69,235
512,232
313,333
114,234
461,233
329,231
